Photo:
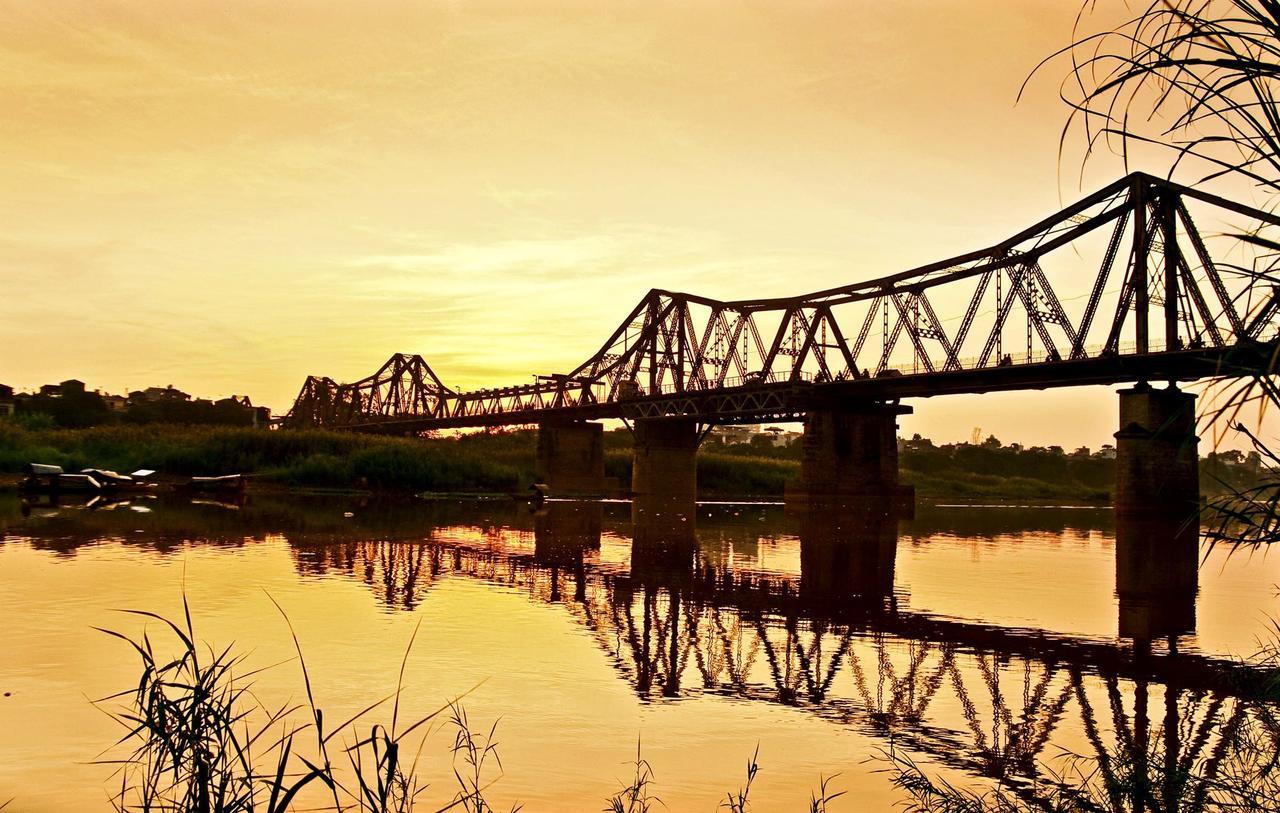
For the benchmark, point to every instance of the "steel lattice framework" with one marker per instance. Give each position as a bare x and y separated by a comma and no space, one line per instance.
1119,286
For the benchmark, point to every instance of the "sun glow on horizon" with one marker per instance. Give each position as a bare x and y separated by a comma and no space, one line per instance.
230,197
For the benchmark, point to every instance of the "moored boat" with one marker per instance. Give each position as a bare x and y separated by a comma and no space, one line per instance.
227,483
45,478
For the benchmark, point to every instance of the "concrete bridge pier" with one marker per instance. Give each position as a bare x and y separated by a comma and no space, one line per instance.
1157,466
850,458
571,457
665,458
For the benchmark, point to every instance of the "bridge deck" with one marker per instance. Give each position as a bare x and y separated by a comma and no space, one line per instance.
788,400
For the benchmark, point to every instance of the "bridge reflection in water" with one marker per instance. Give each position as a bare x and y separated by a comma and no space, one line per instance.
715,601
679,618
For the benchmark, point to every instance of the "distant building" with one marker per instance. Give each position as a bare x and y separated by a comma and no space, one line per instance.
72,386
115,403
732,435
6,400
51,390
153,394
780,436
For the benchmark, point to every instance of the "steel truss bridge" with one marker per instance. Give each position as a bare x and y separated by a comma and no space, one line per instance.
1120,286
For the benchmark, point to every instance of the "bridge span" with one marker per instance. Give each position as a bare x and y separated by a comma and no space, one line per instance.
1122,286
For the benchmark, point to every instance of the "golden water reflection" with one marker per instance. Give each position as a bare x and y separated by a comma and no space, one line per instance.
826,615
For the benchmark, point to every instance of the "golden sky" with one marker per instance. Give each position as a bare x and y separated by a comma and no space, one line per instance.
228,196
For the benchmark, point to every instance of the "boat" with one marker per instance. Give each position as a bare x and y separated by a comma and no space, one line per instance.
44,478
227,483
116,482
76,482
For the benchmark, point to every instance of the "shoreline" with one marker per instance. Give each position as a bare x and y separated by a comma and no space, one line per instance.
170,487
500,464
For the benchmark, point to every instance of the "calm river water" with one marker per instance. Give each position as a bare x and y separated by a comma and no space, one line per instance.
980,641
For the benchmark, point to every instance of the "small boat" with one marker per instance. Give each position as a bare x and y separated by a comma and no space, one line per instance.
114,481
44,478
227,483
77,482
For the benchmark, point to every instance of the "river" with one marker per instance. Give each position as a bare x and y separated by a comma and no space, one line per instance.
979,641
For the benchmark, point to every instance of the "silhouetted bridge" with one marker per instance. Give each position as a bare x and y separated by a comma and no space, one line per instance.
1119,287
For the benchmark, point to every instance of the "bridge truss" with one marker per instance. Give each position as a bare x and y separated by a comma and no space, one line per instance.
1119,286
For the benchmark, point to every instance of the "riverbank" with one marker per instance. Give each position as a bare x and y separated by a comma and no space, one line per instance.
498,462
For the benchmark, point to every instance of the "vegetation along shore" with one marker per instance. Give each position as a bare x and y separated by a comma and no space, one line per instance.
503,462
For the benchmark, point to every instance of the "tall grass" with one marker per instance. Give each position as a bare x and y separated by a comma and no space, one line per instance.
638,796
307,458
497,462
197,739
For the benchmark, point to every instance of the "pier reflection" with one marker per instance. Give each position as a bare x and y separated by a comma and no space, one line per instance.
847,554
676,599
664,541
565,533
1157,576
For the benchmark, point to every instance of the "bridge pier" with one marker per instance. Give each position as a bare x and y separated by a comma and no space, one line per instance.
1157,467
571,457
665,458
850,458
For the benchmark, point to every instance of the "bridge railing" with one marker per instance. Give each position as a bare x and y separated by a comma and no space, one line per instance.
776,377
1041,357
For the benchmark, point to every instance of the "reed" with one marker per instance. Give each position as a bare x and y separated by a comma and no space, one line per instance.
739,801
824,796
637,797
197,739
1241,772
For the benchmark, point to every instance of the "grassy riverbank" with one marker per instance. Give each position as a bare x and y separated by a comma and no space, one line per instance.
317,459
484,462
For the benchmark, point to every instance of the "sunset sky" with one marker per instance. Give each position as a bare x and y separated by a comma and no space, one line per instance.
229,196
